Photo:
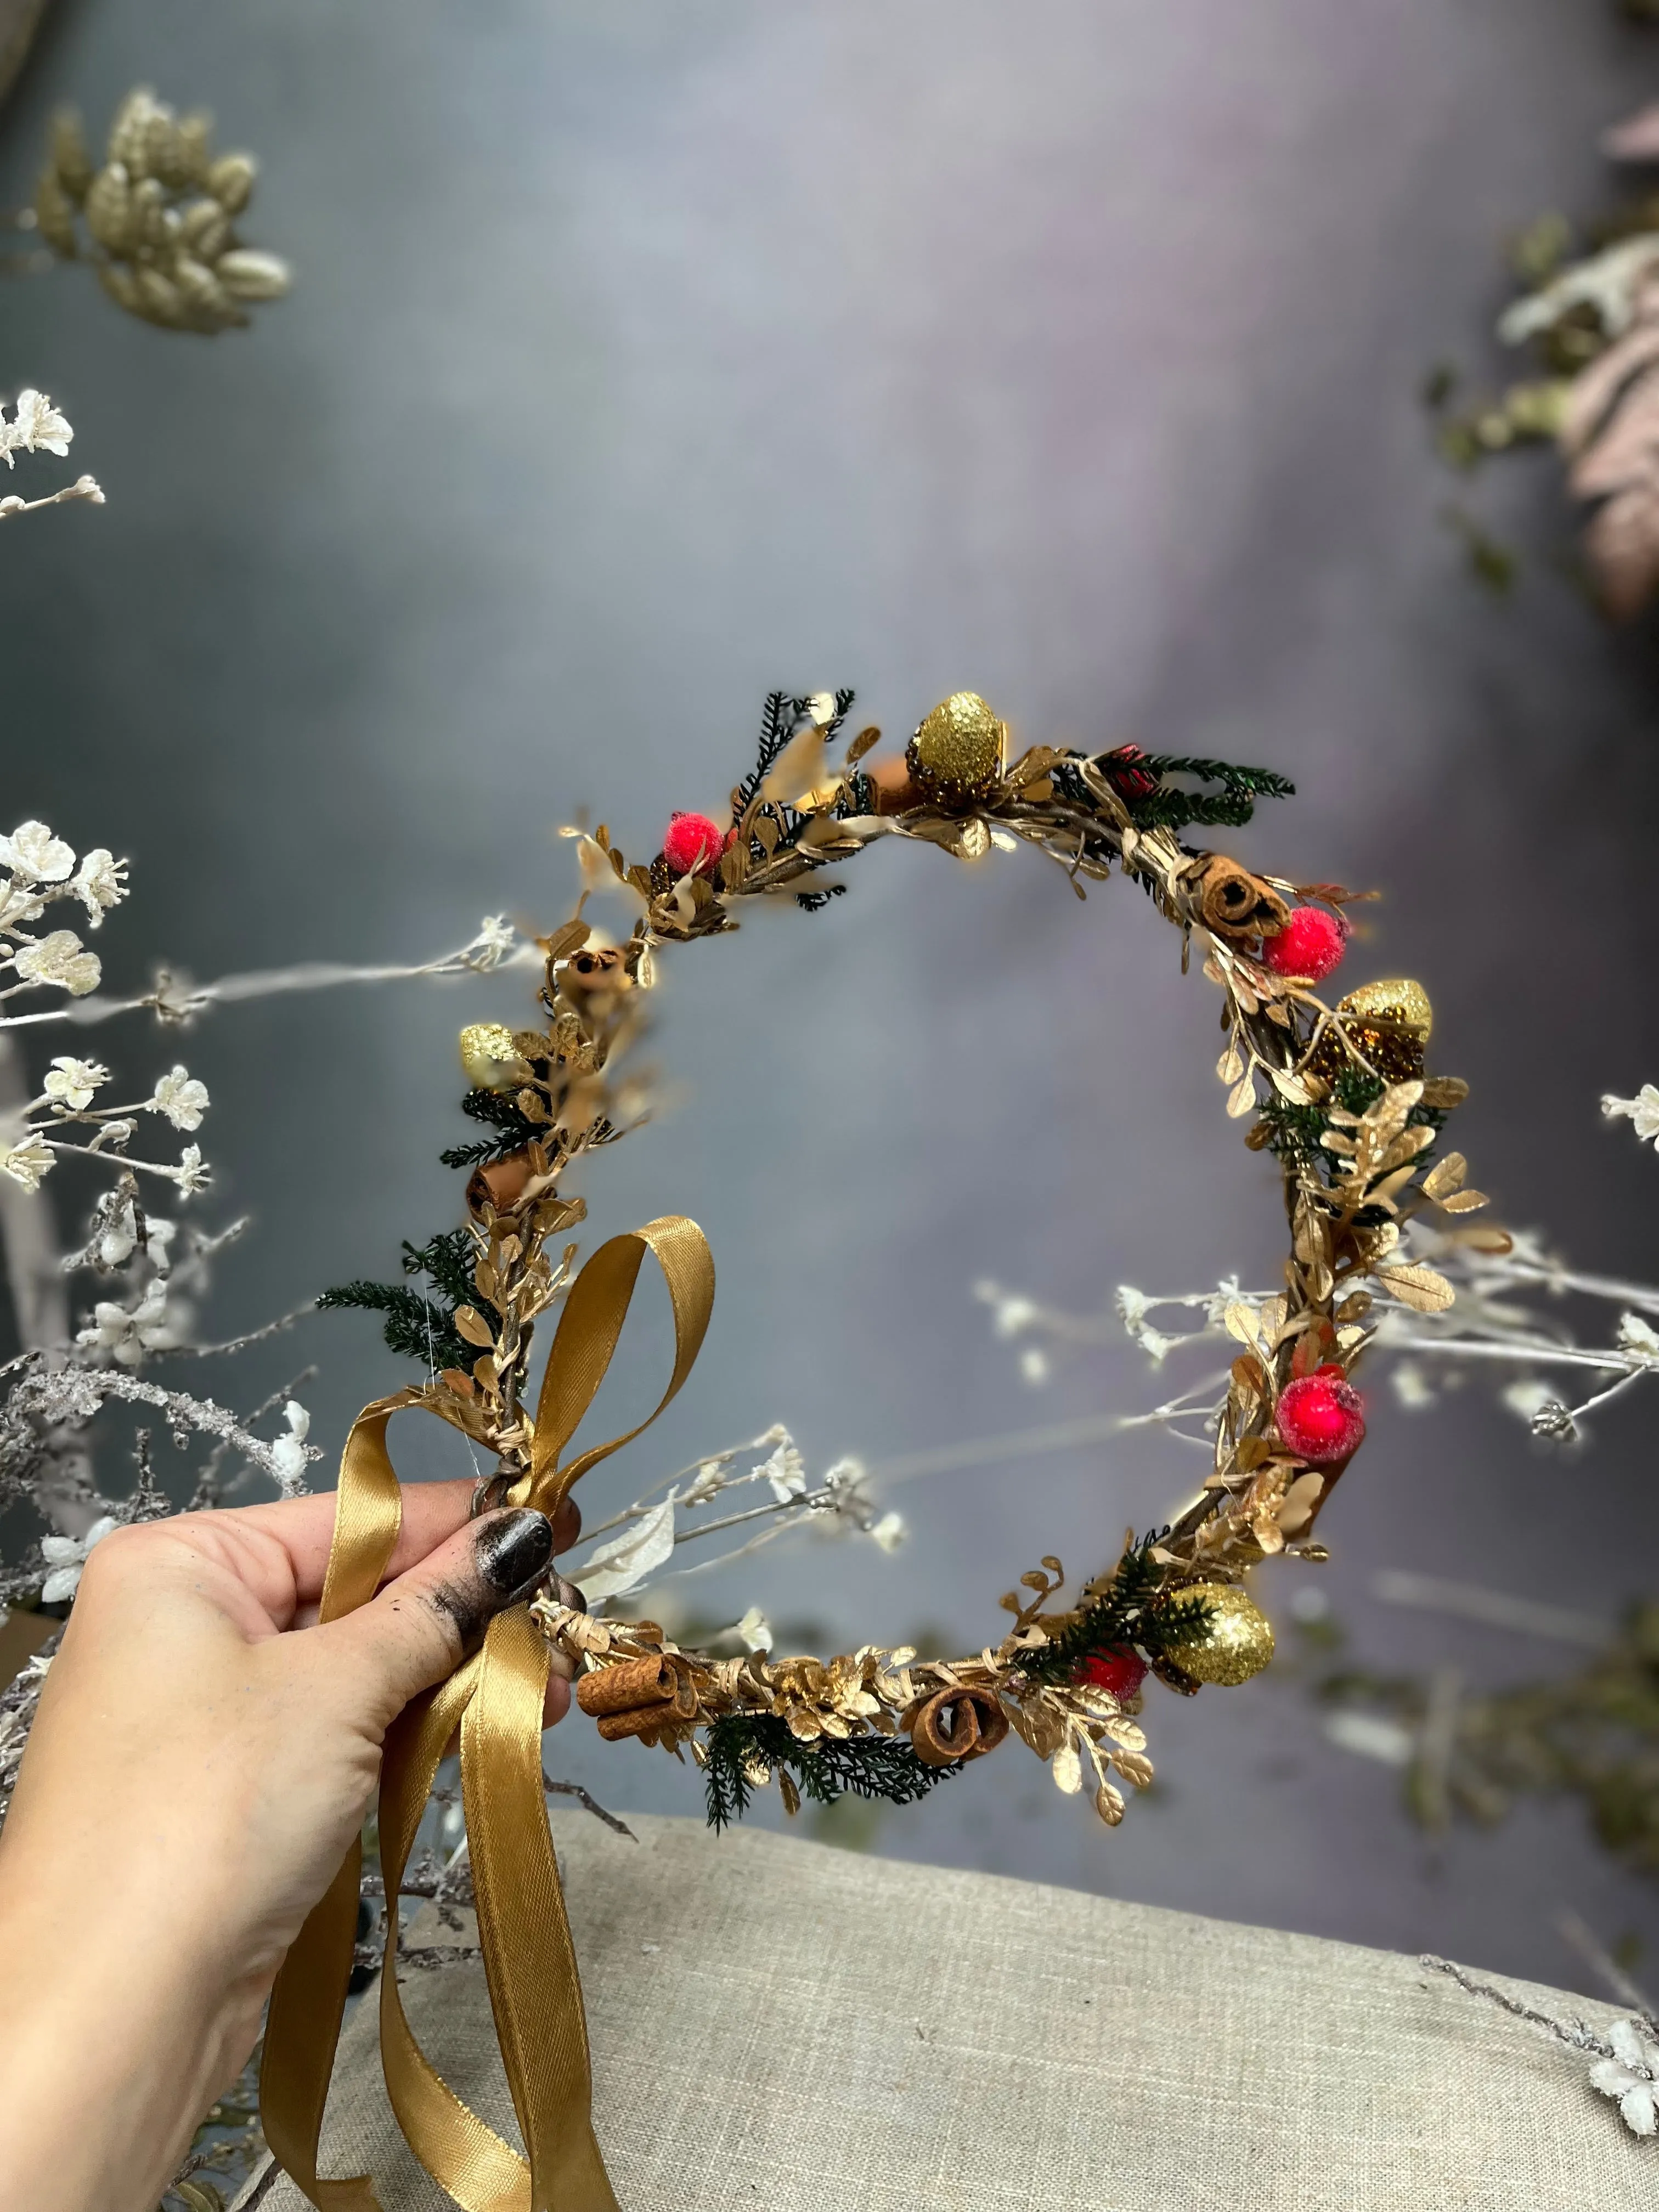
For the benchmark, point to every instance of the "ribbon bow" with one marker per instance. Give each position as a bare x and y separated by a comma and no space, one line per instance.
494,1698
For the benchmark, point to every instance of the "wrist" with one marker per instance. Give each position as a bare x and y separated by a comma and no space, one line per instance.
108,2057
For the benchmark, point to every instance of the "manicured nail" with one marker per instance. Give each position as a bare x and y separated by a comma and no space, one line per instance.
570,1595
513,1550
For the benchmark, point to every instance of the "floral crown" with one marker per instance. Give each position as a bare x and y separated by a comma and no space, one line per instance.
1339,1095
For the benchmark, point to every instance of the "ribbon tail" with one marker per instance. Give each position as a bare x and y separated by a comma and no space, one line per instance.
301,2030
534,1986
461,2152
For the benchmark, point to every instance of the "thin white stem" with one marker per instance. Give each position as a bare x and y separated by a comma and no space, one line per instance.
1526,1352
178,1001
82,488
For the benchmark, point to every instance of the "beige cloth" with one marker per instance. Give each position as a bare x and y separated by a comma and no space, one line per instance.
781,2027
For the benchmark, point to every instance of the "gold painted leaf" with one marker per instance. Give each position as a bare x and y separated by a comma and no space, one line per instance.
1069,1768
1446,1176
470,1324
1417,1286
1242,1097
1108,1803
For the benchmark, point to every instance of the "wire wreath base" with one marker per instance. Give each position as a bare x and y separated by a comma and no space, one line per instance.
1338,1094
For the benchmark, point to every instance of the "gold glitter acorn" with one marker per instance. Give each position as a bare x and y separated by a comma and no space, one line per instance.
1238,1642
957,753
490,1057
1400,1002
1389,1021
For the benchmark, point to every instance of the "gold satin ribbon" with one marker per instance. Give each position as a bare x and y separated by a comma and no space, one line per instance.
494,1698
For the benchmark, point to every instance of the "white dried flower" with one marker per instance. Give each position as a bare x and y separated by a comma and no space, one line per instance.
59,958
288,1454
129,1334
756,1631
1630,2076
785,1470
889,1531
496,938
66,1556
181,1098
192,1173
32,851
71,1082
38,428
1638,1339
1643,1110
27,1161
100,883
821,708
19,903
118,1237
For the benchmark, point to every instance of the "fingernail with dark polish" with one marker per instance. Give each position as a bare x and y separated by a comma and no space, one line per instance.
570,1595
514,1550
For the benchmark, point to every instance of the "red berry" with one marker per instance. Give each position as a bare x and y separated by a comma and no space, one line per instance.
693,844
1322,1419
1120,1672
1125,772
1311,944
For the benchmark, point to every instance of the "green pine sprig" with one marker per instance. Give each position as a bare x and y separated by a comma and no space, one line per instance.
1131,1613
874,1766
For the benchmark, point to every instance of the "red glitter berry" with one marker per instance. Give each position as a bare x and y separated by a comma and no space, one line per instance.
693,844
1127,773
1311,944
1322,1419
1120,1673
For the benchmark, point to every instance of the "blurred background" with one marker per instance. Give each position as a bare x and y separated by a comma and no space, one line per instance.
641,360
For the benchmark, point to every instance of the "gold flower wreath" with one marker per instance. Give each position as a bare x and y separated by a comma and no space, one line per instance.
1341,1095
1341,1098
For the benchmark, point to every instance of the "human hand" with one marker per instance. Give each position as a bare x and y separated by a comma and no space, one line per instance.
203,1753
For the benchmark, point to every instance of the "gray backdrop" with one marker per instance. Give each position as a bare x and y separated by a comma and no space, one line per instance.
643,358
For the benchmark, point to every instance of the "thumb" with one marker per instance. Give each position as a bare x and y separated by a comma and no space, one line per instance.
416,1631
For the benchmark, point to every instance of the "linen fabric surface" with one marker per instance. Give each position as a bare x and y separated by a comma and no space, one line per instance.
779,2026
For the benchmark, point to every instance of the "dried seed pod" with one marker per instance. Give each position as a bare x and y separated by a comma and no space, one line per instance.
162,298
230,180
128,132
1237,904
959,1722
202,292
54,216
150,212
204,227
195,138
248,274
71,163
111,216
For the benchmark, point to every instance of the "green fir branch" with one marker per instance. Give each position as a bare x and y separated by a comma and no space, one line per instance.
1132,1612
874,1766
1229,807
502,1112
